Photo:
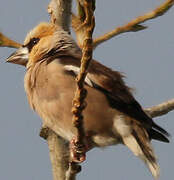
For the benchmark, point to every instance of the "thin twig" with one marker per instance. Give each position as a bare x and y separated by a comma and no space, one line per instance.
161,109
79,29
6,42
80,94
78,22
135,24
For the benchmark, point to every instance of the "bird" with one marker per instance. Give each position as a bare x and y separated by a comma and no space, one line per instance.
112,116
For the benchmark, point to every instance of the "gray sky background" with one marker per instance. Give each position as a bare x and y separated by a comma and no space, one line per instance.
147,59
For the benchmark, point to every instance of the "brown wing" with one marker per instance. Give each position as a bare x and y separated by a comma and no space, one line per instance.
118,94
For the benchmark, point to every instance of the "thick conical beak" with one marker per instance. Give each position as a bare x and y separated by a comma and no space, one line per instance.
19,57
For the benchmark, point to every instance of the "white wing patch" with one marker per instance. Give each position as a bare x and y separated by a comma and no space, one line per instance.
120,126
76,70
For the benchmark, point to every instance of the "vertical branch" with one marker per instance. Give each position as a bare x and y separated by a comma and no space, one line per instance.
78,24
60,13
80,10
74,168
80,94
59,154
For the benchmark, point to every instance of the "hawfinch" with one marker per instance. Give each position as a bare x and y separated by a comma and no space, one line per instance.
112,116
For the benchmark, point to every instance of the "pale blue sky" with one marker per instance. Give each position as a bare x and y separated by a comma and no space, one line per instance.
147,59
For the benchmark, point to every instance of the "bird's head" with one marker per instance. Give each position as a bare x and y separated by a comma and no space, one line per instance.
44,41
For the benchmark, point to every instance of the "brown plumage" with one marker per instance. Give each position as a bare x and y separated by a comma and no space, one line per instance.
112,116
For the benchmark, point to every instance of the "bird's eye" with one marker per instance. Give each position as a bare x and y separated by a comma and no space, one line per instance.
35,41
32,42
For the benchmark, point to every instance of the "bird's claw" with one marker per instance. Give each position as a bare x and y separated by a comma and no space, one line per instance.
77,151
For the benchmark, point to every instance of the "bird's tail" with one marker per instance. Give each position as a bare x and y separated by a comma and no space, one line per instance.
138,142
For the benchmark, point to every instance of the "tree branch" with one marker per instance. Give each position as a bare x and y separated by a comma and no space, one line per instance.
59,153
73,170
134,25
161,109
6,42
80,94
60,13
78,22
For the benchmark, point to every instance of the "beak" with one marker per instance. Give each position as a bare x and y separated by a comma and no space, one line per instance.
19,57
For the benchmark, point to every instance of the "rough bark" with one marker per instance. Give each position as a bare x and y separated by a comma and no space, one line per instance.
60,13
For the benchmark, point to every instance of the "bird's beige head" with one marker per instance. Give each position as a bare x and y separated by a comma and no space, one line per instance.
43,41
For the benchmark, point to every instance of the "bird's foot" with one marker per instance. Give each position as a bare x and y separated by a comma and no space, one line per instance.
77,151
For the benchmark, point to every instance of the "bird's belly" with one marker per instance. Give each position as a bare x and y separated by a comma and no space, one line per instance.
52,100
98,117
